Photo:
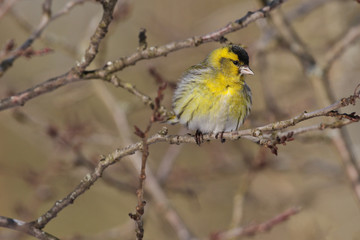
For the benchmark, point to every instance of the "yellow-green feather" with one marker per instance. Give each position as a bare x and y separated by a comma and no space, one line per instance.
212,96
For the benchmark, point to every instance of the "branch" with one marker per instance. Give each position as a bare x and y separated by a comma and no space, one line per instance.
255,135
256,228
5,6
319,77
21,98
152,188
339,48
24,227
291,39
140,208
117,82
50,85
98,35
167,163
154,52
44,22
305,8
263,44
292,15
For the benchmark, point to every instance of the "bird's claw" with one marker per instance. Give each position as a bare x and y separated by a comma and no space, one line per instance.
222,139
199,137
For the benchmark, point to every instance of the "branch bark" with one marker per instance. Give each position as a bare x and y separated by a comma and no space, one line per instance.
24,227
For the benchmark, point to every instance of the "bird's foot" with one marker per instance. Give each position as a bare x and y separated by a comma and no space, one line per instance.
199,137
222,139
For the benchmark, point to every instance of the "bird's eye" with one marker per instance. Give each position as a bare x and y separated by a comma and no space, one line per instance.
237,63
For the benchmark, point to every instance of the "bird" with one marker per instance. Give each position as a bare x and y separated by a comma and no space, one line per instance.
212,96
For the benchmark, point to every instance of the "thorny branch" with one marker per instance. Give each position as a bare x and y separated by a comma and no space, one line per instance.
106,72
255,135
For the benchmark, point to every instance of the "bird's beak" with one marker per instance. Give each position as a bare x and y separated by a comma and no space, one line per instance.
245,70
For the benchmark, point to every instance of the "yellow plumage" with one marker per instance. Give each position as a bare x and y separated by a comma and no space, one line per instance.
212,97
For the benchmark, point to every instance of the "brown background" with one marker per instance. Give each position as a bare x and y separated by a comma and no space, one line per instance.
36,170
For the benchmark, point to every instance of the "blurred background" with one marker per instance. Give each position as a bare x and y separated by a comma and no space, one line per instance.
50,144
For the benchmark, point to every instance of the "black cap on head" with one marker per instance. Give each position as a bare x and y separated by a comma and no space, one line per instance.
242,54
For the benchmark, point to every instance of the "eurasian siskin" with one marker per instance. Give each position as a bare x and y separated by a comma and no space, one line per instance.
212,96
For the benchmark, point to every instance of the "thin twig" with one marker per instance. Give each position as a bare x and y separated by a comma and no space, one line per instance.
318,75
46,16
239,199
305,8
292,15
7,48
292,40
133,90
152,187
67,8
140,208
5,6
339,48
153,52
256,228
25,228
44,22
99,34
166,164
